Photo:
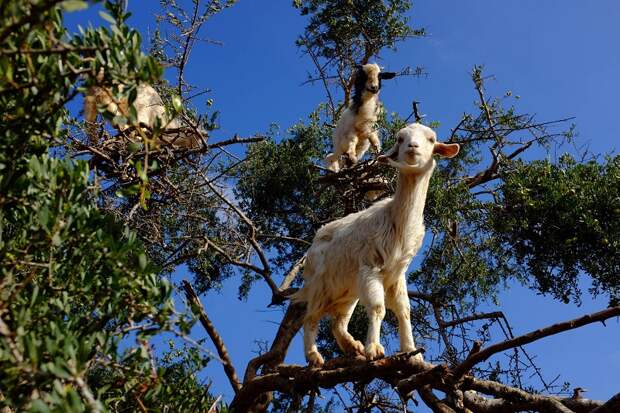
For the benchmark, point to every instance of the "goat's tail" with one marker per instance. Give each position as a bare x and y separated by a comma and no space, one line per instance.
299,296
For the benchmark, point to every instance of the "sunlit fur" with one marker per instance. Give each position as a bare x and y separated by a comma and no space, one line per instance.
355,130
364,256
149,108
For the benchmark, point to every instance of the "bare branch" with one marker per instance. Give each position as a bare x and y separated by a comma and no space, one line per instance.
534,336
197,307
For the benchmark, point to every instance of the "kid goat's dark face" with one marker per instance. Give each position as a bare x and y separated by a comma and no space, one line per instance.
362,80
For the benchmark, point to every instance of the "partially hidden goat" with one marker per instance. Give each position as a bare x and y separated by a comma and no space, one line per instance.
150,109
364,256
355,130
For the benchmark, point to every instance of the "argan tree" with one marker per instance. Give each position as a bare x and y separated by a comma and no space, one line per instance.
91,229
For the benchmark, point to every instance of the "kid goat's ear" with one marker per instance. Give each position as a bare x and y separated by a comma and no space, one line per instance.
387,75
446,150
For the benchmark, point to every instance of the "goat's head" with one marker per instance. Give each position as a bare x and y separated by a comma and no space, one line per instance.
368,81
414,149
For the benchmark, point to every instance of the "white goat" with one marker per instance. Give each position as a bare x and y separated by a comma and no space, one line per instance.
355,130
364,256
149,108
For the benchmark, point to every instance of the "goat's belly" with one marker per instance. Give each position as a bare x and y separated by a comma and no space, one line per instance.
332,291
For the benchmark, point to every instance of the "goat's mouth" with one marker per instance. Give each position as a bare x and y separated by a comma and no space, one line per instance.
371,90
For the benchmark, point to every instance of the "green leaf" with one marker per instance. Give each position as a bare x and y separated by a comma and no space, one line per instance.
142,261
73,5
105,16
56,241
177,104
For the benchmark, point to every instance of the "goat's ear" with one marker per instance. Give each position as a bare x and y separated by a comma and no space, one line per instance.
446,150
387,75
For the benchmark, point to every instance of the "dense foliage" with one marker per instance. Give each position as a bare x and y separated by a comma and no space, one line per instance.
561,220
78,292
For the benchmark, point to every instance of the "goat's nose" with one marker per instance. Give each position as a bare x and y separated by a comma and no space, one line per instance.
414,145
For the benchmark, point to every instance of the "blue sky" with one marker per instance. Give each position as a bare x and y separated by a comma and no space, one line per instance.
561,57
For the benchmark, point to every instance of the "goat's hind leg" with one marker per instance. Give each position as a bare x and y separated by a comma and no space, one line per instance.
340,324
311,326
373,137
351,149
332,161
362,148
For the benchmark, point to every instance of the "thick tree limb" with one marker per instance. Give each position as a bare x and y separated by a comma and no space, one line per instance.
533,401
611,406
436,405
290,325
299,380
409,374
197,307
421,379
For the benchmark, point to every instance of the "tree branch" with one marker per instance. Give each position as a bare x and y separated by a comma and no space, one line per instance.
534,336
199,310
611,406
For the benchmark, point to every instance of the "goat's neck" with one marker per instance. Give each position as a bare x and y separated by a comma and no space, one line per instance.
409,200
368,107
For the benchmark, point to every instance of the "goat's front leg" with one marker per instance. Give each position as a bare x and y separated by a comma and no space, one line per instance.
397,300
372,297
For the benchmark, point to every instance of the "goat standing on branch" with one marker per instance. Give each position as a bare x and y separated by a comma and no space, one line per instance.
150,112
364,256
355,130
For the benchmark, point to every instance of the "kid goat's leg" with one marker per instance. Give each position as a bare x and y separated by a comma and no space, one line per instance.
372,297
373,137
352,140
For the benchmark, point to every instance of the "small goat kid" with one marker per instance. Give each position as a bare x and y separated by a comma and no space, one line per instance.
149,108
355,130
364,256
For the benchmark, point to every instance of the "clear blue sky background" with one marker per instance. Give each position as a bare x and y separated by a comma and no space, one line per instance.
561,57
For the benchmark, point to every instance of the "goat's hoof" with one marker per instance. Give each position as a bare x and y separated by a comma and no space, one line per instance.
374,351
315,359
350,160
354,347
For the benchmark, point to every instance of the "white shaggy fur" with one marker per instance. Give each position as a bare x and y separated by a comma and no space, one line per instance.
364,256
355,130
149,108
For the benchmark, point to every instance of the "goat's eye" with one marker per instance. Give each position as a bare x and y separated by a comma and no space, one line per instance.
400,139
